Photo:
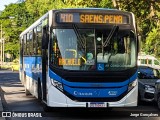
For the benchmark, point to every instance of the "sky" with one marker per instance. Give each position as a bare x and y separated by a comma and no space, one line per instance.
6,2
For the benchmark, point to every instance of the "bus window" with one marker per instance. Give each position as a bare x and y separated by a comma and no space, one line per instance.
30,43
34,42
21,45
39,39
27,45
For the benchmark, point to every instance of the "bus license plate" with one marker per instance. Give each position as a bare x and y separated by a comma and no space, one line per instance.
97,104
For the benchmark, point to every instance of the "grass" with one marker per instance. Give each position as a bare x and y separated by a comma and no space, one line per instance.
11,66
15,67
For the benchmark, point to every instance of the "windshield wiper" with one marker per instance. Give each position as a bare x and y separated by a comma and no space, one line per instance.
79,36
110,36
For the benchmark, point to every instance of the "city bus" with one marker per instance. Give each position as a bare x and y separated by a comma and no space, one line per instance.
81,58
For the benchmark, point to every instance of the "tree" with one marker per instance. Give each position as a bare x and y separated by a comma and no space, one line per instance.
17,17
87,3
13,21
147,17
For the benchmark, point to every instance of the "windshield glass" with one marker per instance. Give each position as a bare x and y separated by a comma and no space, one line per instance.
93,49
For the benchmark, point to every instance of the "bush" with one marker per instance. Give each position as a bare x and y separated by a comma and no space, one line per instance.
16,61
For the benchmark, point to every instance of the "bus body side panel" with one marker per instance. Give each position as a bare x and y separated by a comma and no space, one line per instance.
33,72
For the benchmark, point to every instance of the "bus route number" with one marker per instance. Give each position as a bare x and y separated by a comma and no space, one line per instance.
66,17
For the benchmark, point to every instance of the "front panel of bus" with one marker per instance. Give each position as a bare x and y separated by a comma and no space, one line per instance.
93,57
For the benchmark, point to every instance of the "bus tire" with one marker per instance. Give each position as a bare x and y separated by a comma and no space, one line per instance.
158,101
39,91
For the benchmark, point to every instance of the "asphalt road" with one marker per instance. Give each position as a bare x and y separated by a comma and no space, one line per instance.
14,101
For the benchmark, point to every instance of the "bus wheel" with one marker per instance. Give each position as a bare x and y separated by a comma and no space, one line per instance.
39,91
158,101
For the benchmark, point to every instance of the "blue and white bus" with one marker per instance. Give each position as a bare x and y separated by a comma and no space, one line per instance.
81,58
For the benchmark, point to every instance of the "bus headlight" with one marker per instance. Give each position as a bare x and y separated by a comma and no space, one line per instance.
57,84
132,85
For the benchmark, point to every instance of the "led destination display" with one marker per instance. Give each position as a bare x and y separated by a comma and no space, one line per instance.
92,18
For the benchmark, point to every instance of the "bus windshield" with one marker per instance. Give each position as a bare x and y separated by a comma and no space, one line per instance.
93,49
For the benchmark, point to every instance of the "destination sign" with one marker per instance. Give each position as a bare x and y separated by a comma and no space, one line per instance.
92,18
64,61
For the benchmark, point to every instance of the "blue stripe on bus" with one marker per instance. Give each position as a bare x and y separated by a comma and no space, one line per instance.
95,93
134,77
88,84
31,65
54,76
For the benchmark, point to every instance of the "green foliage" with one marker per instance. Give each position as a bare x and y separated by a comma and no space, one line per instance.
13,19
17,17
147,18
153,42
143,13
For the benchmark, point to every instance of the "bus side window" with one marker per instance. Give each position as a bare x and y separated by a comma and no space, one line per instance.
27,45
21,46
55,49
34,41
24,45
31,43
39,39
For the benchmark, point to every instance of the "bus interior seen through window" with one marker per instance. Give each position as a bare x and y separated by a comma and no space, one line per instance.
67,48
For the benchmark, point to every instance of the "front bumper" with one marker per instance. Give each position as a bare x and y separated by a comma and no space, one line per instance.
61,100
